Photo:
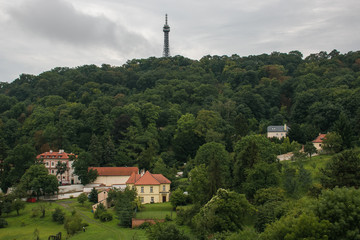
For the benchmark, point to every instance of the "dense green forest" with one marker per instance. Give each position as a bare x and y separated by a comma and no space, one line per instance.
206,117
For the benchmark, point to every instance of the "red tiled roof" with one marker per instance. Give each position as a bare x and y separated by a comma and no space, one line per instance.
319,138
133,178
115,171
161,178
55,155
148,179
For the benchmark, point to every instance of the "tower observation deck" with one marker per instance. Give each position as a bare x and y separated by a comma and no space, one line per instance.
166,30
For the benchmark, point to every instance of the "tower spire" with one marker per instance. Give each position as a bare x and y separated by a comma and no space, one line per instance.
166,30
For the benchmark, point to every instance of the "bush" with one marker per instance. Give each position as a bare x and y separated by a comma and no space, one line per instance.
3,223
99,210
73,224
105,216
58,216
144,225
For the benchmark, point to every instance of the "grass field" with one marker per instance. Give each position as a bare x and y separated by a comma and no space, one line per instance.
22,227
156,211
314,165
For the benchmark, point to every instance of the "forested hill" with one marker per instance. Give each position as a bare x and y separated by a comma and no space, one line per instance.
168,107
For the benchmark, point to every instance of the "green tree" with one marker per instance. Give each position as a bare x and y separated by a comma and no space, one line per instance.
125,205
343,127
82,198
341,207
226,211
58,215
165,231
39,181
73,224
304,226
262,175
93,196
343,170
81,168
61,168
199,185
17,205
178,198
310,149
216,158
332,142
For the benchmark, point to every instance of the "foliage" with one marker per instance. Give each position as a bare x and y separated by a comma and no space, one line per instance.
73,224
309,148
199,185
165,231
341,207
105,216
58,215
224,212
39,181
17,205
342,170
333,142
100,208
3,223
304,226
125,205
271,194
262,175
82,198
178,198
93,196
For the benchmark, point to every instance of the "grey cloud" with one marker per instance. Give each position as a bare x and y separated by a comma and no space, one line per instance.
59,21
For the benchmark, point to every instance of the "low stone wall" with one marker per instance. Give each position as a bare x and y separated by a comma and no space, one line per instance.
138,222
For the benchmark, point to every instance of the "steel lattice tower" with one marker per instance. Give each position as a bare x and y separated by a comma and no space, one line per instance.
166,30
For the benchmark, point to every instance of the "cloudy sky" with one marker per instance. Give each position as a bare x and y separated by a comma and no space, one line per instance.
38,35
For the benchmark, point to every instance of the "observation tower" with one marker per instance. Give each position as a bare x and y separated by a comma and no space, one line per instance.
166,30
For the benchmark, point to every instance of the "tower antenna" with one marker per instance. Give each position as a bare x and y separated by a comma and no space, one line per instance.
166,30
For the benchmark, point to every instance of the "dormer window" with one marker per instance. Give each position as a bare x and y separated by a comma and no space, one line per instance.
42,156
53,156
59,156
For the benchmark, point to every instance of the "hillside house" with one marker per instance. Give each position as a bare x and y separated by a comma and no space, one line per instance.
51,159
115,177
318,142
151,188
277,131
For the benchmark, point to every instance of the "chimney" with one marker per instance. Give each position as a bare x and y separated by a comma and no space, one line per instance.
51,151
61,150
285,127
142,172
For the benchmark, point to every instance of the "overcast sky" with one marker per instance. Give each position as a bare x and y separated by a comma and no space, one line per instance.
38,35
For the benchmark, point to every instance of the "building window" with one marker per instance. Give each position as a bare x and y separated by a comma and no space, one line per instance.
152,199
164,188
52,171
52,164
142,190
141,199
47,164
151,189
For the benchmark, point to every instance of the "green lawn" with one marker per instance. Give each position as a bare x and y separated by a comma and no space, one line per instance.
156,211
22,227
315,164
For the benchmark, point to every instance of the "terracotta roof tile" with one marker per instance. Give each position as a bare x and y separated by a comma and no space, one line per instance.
55,155
115,171
152,179
320,138
133,178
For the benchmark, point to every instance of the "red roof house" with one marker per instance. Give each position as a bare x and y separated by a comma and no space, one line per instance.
114,176
151,188
318,142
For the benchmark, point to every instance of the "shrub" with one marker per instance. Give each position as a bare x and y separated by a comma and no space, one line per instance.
58,216
105,217
99,210
3,223
73,224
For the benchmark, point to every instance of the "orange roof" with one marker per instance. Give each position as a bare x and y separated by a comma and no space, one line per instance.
148,179
319,138
115,171
55,155
133,178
